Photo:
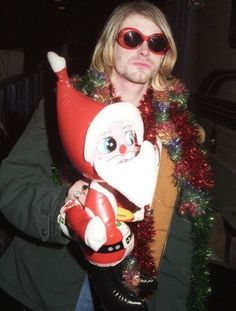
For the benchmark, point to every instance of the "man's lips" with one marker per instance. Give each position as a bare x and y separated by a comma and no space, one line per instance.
141,64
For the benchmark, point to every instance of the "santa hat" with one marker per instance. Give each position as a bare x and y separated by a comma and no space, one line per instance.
82,120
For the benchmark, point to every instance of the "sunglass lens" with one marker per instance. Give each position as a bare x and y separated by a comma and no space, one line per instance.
132,39
158,44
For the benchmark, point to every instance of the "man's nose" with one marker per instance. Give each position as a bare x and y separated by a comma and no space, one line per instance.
144,49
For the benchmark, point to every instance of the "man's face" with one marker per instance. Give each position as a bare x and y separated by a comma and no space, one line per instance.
136,65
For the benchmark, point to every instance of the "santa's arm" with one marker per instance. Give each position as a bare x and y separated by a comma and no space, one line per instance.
88,227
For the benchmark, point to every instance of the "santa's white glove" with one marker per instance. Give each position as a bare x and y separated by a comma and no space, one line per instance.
75,220
95,234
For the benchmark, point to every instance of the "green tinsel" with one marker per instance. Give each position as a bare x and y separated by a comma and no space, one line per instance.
87,84
200,285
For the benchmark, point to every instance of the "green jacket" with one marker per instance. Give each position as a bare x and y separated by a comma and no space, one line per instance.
41,268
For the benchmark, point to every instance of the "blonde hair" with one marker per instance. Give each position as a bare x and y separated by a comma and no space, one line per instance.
102,59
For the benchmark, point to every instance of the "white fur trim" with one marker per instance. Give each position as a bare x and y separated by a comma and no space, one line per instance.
57,62
61,219
109,114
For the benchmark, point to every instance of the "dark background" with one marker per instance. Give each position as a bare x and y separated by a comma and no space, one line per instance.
38,26
205,33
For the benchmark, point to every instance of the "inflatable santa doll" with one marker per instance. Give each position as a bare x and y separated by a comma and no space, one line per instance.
105,144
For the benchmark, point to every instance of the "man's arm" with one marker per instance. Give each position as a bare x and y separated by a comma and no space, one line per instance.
29,198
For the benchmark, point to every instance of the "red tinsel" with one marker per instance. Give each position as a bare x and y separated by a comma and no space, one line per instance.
148,115
193,165
189,209
144,233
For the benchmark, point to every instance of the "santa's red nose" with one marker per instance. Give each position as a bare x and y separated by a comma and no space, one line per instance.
122,149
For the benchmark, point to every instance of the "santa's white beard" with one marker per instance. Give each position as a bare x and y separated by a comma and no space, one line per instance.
135,178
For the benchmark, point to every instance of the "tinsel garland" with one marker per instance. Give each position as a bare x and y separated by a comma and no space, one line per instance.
164,114
168,118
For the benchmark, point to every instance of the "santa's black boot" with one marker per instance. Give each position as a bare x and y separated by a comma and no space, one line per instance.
112,293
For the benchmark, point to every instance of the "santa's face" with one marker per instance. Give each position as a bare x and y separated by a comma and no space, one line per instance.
136,177
118,144
127,167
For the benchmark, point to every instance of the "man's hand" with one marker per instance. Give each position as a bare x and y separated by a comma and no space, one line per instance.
78,191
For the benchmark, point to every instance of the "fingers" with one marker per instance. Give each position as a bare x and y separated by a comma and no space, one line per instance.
78,191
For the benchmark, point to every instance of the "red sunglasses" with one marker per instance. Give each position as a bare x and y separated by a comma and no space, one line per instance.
131,38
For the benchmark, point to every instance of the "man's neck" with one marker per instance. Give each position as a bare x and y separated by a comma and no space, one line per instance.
129,91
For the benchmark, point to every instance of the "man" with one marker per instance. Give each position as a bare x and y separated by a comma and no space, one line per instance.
132,62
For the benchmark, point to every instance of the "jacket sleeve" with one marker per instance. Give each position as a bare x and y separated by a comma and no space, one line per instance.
29,199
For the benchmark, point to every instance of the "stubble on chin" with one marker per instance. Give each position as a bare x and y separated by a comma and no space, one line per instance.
138,77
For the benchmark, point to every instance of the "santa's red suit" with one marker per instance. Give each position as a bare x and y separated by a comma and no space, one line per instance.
115,242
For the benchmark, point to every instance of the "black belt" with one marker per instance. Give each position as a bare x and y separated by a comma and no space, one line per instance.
115,247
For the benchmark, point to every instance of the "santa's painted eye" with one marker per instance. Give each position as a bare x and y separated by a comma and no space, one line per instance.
129,137
106,145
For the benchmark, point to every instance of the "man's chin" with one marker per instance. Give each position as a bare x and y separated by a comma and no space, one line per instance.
139,77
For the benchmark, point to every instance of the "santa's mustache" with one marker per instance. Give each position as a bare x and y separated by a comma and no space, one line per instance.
123,158
134,177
